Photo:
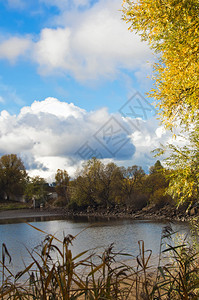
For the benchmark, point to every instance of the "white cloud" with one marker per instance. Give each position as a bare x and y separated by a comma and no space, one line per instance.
81,2
89,44
2,100
16,4
93,44
9,94
65,4
144,75
55,107
146,139
48,128
14,47
53,48
50,134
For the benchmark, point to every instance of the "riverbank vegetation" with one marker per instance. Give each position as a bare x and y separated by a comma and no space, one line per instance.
103,187
171,30
12,205
95,185
55,273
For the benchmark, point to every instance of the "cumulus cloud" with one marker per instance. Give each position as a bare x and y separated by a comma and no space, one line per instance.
14,47
88,44
51,134
53,131
98,45
31,164
148,138
53,48
55,107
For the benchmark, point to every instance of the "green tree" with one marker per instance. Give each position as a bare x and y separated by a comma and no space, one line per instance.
13,175
36,189
132,183
156,184
171,27
88,184
97,184
80,192
157,168
111,184
62,183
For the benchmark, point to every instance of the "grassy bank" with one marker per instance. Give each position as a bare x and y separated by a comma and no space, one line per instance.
11,205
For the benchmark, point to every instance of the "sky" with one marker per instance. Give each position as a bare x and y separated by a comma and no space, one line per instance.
73,83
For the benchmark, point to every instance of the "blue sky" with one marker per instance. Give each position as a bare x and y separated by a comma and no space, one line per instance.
57,52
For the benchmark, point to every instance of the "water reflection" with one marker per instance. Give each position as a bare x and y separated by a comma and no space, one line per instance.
98,234
30,219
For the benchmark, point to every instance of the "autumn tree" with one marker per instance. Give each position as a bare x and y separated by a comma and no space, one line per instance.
97,184
12,175
80,192
62,183
132,183
183,162
157,168
171,27
37,189
87,184
156,184
111,184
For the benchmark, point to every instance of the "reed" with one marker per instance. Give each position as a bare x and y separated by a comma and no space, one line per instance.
55,273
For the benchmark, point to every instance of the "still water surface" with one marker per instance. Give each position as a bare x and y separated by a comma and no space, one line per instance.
99,233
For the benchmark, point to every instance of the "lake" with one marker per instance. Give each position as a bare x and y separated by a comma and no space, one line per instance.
98,234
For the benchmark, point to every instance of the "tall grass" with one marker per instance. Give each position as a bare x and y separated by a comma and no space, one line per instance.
55,273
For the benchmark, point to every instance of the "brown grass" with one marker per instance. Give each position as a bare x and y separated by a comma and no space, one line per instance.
55,274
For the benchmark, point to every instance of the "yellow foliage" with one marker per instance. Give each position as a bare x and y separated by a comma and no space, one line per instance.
172,29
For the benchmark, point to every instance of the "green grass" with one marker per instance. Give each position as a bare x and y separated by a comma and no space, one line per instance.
13,205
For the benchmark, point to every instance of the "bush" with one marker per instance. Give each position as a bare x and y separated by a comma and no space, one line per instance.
138,201
159,198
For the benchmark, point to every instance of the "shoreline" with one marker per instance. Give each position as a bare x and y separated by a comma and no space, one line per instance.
27,213
149,213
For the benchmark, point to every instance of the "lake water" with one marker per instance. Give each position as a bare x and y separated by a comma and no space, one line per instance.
98,234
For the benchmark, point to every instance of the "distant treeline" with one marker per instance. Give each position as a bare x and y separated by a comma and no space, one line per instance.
107,185
96,184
